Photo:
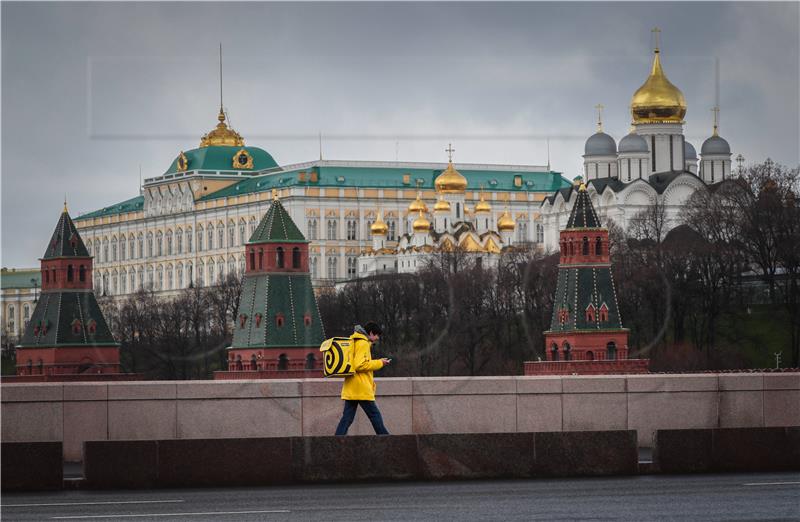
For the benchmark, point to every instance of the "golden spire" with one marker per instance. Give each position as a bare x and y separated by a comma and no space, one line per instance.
65,204
450,181
221,135
599,108
657,100
582,187
715,110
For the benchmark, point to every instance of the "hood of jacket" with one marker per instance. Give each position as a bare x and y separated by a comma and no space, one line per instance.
359,330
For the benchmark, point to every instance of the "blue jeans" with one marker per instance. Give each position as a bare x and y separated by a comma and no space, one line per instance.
372,411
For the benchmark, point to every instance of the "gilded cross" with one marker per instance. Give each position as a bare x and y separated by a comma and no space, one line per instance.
655,32
450,150
715,110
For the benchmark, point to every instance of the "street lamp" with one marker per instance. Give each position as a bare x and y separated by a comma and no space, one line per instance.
35,284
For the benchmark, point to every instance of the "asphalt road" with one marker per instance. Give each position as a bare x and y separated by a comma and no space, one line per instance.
762,496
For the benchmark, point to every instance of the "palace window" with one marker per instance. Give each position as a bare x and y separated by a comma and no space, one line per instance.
231,234
170,277
352,265
149,244
26,315
160,275
105,250
242,226
200,239
539,233
122,249
220,236
179,279
159,244
179,241
352,229
314,262
189,237
210,235
210,267
252,225
169,242
132,279
231,266
392,224
123,283
332,262
141,245
312,229
113,249
332,229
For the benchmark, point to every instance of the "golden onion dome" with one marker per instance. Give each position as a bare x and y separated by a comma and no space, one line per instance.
450,181
379,228
657,100
417,205
482,206
442,205
222,135
421,224
506,223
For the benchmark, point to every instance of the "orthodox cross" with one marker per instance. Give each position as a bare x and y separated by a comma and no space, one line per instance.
599,108
715,110
450,150
655,32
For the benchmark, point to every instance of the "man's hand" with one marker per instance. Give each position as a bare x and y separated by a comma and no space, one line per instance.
386,361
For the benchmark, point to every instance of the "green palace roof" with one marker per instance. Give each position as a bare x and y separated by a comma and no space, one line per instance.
220,157
366,174
11,278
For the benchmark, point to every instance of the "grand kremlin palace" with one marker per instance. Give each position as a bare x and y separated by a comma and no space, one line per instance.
190,223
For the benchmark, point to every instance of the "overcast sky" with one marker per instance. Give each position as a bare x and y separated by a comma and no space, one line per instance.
91,92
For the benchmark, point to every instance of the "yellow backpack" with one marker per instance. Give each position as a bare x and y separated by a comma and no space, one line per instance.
337,357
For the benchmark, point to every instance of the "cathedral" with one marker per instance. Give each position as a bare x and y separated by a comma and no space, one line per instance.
653,163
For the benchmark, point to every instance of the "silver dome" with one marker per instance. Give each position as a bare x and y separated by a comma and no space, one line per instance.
600,144
715,145
688,151
632,143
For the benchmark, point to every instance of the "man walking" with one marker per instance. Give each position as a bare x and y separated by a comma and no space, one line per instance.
359,388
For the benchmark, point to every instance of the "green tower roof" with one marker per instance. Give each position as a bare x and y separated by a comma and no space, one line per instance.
583,214
276,226
53,322
66,242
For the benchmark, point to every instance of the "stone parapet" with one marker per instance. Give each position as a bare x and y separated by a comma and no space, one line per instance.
163,410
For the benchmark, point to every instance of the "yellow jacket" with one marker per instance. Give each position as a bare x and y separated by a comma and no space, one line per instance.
360,386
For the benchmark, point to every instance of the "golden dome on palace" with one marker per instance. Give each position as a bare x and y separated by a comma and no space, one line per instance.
506,223
222,135
657,100
442,205
379,228
421,224
482,206
417,205
450,181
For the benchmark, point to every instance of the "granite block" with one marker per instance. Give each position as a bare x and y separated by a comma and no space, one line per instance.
648,412
539,385
539,413
83,420
31,466
594,384
672,383
585,453
245,389
476,456
32,421
120,464
235,418
224,462
781,407
741,409
753,449
464,385
32,392
782,381
464,413
89,391
741,381
142,390
594,411
334,459
142,420
683,451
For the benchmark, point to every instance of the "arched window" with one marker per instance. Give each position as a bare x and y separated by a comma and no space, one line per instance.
312,228
113,249
590,355
252,259
571,248
26,315
260,259
105,251
201,271
169,242
611,350
122,248
160,276
131,247
140,240
539,233
314,262
70,276
279,257
242,226
189,275
296,257
598,247
179,279
159,244
332,268
231,266
567,351
200,238
311,362
82,273
585,246
331,229
179,241
170,277
123,281
220,235
149,244
554,351
283,362
210,236
252,225
563,248
189,238
352,264
210,268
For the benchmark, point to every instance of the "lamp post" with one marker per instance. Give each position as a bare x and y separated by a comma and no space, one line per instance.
35,284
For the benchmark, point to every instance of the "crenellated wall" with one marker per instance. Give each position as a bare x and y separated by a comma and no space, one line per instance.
75,412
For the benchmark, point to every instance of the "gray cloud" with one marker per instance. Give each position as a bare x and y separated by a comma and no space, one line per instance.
92,91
